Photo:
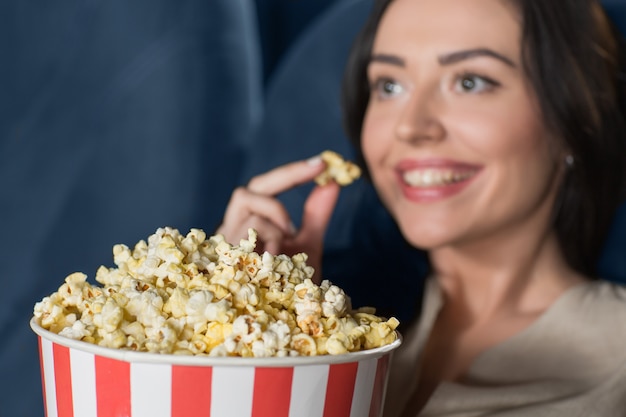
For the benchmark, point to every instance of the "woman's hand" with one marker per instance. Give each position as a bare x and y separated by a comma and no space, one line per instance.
256,206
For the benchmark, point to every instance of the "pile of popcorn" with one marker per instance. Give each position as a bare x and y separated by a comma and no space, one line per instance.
193,295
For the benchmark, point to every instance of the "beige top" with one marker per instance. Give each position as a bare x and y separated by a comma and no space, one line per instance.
570,362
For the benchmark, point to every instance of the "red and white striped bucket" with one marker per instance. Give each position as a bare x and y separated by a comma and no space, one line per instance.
84,380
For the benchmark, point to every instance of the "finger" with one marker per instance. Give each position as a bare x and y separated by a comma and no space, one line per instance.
318,210
245,203
286,176
233,233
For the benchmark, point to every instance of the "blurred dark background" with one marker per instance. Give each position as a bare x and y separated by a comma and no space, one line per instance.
119,117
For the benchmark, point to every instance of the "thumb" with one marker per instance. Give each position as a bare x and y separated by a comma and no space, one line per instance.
317,212
318,209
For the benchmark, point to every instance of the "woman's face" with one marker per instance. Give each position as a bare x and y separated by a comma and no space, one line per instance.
452,136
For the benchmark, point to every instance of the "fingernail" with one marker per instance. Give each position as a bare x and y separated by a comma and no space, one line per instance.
316,160
292,228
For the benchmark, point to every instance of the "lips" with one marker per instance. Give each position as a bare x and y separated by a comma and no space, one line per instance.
427,180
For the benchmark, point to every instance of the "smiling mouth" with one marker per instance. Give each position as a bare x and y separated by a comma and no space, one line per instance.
424,178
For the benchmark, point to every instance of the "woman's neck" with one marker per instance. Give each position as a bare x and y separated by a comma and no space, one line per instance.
522,274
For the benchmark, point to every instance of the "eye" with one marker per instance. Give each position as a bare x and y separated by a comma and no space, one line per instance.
385,88
472,83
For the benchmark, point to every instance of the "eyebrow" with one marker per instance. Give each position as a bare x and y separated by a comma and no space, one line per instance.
388,59
447,59
455,57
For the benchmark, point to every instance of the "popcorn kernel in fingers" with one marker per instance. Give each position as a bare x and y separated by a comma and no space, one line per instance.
343,172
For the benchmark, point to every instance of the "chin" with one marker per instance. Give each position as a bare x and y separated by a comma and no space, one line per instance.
424,244
424,239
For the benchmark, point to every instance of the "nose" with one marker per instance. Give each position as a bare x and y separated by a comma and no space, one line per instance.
420,119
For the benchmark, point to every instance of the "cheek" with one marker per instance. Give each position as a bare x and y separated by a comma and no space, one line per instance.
379,126
374,139
505,133
519,158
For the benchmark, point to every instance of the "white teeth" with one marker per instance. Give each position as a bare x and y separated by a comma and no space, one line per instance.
435,177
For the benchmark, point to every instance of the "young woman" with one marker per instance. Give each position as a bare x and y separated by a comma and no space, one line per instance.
493,132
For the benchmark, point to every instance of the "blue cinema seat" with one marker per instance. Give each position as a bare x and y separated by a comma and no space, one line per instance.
118,117
302,104
616,9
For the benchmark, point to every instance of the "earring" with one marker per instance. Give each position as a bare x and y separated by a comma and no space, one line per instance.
569,160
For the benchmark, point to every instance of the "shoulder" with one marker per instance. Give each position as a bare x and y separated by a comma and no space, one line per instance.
600,297
596,309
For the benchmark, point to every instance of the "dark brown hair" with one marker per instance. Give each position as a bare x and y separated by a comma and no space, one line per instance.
574,59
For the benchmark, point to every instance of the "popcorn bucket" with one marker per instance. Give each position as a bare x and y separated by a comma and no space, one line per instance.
80,379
